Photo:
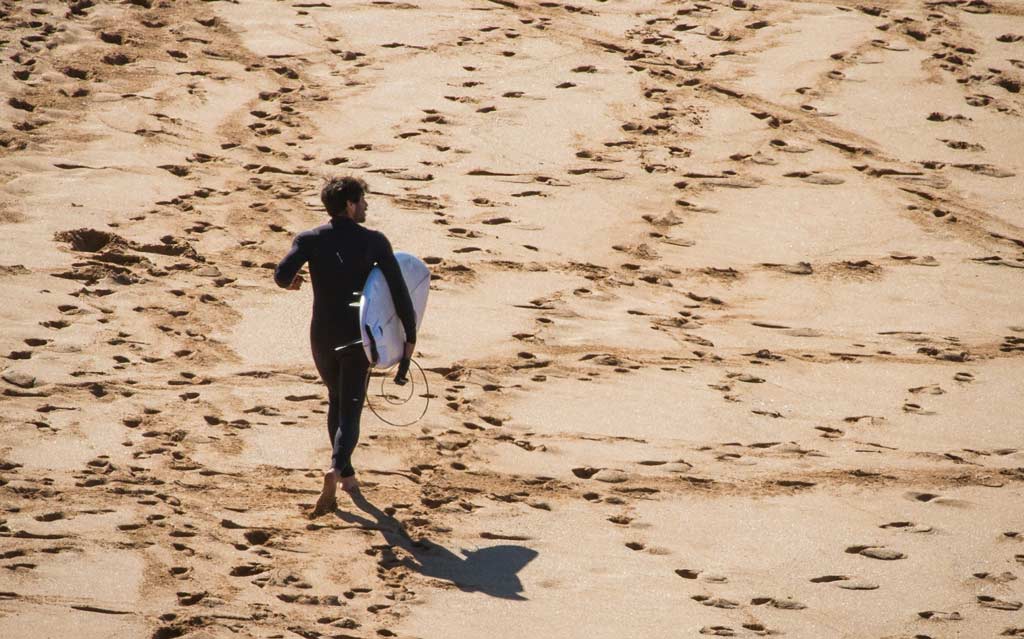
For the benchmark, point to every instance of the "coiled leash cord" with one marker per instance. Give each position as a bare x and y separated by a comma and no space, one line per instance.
392,400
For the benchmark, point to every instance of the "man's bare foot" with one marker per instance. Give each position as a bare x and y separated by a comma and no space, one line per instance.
327,501
350,484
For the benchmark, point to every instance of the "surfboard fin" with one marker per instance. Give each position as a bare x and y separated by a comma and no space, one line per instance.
345,347
375,357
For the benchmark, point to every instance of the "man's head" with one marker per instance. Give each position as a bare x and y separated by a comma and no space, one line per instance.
345,197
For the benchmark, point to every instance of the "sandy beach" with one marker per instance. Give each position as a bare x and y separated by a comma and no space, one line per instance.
725,333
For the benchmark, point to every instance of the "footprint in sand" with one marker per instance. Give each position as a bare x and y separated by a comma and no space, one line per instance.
907,526
781,604
986,169
933,498
794,483
249,569
190,598
1004,577
961,145
607,475
180,572
845,582
687,573
876,552
715,602
258,537
916,409
978,100
756,158
814,177
182,548
987,601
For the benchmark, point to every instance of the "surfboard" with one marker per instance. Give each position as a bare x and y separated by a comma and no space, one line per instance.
382,331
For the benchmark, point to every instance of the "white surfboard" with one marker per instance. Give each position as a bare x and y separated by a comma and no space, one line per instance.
382,331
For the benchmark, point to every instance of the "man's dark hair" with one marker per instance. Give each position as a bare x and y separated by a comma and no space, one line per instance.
340,190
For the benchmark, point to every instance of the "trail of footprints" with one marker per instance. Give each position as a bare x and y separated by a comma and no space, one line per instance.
111,263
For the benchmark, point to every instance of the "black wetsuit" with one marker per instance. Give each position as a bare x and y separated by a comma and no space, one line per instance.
341,255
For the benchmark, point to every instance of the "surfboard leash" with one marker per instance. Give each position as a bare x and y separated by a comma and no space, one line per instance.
388,398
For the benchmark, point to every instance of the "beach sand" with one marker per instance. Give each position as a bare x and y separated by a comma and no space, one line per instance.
725,334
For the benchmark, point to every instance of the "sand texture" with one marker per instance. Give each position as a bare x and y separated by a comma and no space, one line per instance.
725,336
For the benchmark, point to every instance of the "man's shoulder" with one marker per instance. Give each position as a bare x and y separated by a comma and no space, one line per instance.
374,237
313,232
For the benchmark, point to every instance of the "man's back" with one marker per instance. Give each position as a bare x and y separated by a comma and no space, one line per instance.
341,255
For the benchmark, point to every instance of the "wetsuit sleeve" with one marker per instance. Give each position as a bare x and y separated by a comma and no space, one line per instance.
290,265
385,259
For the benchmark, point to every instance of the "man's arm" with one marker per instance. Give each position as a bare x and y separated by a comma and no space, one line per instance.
399,292
286,275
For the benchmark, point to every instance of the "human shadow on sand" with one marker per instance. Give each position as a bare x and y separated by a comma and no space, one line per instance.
492,571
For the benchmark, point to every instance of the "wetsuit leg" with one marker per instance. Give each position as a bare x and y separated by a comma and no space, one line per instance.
327,365
351,393
344,375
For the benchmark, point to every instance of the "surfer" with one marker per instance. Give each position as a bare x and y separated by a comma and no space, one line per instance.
341,254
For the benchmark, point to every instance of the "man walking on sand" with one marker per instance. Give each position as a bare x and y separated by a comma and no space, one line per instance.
341,254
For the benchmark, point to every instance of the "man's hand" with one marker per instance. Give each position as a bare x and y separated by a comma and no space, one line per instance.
296,283
402,376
